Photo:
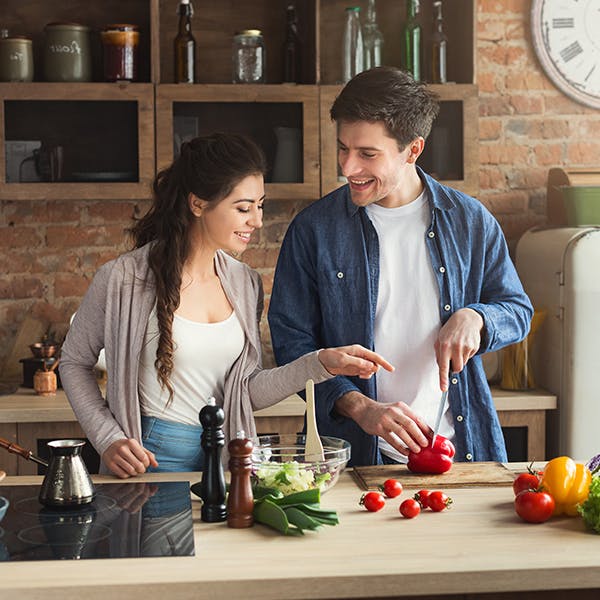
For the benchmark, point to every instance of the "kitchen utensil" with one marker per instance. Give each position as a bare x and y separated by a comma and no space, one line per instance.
67,481
27,454
286,453
314,447
438,418
41,350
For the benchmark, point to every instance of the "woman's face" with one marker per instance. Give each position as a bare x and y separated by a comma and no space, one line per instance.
229,223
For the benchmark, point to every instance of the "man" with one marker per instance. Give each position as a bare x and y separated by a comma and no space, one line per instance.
402,264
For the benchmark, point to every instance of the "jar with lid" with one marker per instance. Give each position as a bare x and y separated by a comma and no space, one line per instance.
120,52
66,52
249,57
16,59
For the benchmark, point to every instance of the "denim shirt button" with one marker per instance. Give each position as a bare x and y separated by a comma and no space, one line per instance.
459,418
431,234
454,380
447,307
442,269
340,275
469,456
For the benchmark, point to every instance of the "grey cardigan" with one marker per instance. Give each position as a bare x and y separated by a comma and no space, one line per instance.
114,314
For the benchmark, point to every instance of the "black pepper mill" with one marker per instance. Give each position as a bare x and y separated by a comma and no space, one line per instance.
240,501
212,486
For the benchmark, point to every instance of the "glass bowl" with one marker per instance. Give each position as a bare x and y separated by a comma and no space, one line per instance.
280,461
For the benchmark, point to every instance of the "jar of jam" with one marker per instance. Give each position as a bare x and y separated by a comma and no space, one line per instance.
120,44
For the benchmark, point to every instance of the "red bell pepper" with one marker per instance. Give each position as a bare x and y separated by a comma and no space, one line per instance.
435,460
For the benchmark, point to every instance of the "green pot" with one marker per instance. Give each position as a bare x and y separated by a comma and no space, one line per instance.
582,205
67,55
16,59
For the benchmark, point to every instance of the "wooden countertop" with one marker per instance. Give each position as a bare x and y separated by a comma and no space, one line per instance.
478,546
26,407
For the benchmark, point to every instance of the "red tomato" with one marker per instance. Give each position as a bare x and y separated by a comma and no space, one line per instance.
410,508
372,501
422,497
525,481
438,501
534,507
391,488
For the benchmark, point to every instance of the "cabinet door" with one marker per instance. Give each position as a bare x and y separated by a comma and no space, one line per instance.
76,140
450,153
283,120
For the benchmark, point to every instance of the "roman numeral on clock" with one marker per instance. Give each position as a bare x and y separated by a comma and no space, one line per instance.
571,51
563,23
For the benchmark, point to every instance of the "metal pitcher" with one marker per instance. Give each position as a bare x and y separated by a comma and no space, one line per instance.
67,481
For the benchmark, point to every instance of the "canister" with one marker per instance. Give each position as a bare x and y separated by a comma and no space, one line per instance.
16,59
249,57
66,52
120,50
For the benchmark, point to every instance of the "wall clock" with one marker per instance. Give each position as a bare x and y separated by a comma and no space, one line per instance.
566,39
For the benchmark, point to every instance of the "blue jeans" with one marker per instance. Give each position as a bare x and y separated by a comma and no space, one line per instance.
176,446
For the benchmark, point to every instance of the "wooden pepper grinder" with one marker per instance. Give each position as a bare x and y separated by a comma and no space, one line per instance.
240,501
212,487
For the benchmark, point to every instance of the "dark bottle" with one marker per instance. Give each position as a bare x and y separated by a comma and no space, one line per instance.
292,48
212,486
413,39
185,45
439,46
240,500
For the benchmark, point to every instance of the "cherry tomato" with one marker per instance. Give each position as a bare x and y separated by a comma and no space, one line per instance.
533,506
525,481
410,508
372,501
422,497
438,501
391,488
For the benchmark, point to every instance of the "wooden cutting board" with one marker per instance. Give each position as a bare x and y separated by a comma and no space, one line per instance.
460,475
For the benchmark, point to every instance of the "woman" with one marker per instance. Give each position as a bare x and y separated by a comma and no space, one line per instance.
179,320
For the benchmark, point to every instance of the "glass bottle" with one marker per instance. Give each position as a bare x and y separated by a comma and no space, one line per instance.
353,45
413,39
372,38
439,44
292,48
185,45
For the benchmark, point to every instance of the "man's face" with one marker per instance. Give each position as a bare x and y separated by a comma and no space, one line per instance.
375,167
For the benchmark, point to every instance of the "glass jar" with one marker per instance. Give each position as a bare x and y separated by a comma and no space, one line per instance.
120,50
66,52
16,59
249,57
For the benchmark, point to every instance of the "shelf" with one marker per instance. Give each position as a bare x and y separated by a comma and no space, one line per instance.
452,142
255,110
106,132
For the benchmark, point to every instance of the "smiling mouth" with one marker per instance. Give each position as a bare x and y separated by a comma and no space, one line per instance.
245,236
359,184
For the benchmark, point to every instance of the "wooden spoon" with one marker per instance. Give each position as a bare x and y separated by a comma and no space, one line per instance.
314,447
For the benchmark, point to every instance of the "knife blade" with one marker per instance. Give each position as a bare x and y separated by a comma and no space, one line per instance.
438,418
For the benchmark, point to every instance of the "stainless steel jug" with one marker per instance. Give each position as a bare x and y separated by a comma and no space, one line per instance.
67,481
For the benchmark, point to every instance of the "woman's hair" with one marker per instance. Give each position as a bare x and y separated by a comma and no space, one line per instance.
209,167
406,107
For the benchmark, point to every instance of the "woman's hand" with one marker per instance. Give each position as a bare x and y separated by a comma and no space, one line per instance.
353,360
127,457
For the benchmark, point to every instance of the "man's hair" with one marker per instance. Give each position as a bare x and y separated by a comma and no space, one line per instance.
389,95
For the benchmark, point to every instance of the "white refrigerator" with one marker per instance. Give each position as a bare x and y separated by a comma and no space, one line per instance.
560,270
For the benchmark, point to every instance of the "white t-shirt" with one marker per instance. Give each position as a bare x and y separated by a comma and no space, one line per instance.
407,317
203,355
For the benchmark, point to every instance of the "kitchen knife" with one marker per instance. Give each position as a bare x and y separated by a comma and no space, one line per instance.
438,419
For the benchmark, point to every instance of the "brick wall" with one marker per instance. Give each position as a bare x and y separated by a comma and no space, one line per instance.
50,250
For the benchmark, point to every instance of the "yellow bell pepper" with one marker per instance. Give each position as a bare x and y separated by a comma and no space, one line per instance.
567,482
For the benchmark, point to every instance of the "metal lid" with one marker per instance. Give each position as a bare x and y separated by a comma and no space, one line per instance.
68,26
121,27
353,8
251,32
16,38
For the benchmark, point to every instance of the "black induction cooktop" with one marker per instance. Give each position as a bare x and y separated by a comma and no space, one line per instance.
125,520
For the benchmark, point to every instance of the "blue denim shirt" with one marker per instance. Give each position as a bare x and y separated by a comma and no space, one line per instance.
325,294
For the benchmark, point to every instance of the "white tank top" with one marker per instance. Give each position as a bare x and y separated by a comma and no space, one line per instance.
204,353
407,317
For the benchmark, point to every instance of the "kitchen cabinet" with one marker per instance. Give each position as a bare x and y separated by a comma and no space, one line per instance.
118,119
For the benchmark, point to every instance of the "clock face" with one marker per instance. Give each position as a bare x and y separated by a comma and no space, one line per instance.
566,38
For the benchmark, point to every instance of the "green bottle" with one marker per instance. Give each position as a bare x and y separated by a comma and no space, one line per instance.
413,39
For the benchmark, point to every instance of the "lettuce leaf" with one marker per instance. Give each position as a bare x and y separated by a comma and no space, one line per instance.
590,509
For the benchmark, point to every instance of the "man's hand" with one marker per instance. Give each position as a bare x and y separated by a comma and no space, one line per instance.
396,423
353,360
459,339
127,458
